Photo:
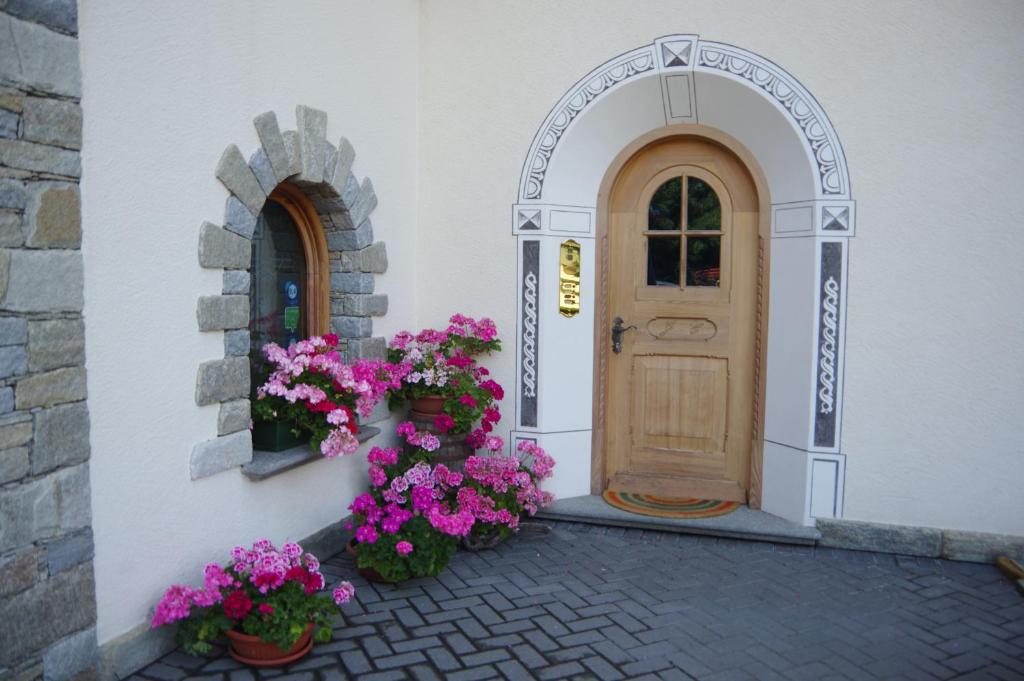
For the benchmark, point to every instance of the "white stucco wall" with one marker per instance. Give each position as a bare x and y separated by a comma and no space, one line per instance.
166,87
930,127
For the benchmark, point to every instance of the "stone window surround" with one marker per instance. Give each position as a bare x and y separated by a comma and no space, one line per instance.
323,172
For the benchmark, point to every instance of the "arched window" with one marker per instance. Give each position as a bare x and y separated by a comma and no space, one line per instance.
684,240
289,288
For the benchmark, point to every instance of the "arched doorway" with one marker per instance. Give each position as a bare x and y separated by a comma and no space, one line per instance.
807,218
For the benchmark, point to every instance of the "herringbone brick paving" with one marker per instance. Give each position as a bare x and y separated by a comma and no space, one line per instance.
592,602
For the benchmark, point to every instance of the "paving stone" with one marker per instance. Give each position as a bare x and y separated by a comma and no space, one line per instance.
70,656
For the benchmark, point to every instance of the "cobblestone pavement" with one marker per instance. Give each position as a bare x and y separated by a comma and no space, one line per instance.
590,602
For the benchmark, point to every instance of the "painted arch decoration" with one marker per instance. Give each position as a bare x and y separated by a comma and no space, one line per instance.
674,81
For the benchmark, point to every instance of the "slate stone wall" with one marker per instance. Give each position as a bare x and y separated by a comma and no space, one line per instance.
47,591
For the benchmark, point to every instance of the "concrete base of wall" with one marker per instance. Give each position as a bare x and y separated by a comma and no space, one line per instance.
928,542
135,649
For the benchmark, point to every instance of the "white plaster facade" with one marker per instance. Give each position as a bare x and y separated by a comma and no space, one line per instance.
443,100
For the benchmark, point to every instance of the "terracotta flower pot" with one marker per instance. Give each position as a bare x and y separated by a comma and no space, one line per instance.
254,652
431,405
369,574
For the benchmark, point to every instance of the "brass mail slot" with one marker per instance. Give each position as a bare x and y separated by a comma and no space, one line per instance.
569,279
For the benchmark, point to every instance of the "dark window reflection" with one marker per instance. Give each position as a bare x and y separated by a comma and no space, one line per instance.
663,261
666,205
703,255
277,288
702,208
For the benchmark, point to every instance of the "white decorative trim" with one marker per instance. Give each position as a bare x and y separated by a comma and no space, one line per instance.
823,217
594,85
827,349
790,96
532,219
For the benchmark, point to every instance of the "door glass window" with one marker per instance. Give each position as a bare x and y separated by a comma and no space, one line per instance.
687,241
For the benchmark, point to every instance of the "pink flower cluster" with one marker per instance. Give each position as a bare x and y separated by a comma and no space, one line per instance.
467,327
422,439
512,476
263,566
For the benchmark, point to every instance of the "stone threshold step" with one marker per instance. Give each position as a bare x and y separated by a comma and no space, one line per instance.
743,523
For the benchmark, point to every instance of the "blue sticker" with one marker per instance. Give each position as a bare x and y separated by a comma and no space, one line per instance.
291,293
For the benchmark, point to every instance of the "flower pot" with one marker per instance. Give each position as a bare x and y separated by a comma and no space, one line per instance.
276,436
254,652
431,405
453,451
369,574
472,542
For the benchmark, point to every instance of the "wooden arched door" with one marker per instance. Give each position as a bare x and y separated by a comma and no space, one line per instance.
682,276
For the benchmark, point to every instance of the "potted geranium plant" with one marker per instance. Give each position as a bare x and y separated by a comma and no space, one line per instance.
498,490
405,525
266,601
314,391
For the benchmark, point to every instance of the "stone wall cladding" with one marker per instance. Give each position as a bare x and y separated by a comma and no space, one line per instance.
47,590
323,171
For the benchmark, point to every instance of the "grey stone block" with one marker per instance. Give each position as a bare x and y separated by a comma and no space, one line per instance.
260,166
39,158
13,361
236,343
312,136
342,166
37,57
67,552
233,417
351,240
273,144
50,388
220,380
55,343
61,437
364,203
12,194
28,512
12,234
15,430
121,657
52,121
220,248
71,656
74,510
13,330
235,175
291,145
42,281
864,536
61,15
367,348
217,313
14,464
220,454
981,547
41,615
352,327
330,163
236,282
350,192
9,121
20,571
6,400
374,258
53,215
348,282
238,219
360,305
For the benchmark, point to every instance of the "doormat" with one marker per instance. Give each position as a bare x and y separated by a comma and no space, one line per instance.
668,507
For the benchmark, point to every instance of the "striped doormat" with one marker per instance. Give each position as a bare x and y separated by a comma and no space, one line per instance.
668,507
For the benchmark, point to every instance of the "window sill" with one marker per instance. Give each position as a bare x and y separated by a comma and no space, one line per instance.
268,464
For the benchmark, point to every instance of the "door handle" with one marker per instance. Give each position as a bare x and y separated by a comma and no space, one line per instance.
617,331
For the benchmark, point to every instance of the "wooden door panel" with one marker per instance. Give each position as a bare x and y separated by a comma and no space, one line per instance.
679,403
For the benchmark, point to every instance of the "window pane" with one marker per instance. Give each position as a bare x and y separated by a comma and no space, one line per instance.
663,261
702,208
666,204
277,288
703,255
